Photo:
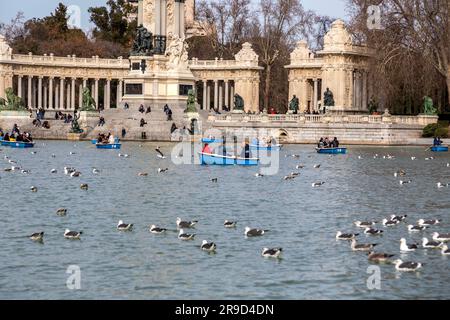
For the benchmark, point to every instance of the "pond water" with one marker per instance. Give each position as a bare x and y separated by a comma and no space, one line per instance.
301,219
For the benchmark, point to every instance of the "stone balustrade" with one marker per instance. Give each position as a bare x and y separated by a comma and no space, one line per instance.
421,120
94,62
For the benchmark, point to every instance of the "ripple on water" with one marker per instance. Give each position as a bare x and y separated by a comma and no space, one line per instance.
139,265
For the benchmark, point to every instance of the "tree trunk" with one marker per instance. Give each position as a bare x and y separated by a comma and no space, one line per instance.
267,87
448,88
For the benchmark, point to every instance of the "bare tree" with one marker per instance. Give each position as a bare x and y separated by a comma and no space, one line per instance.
278,25
416,32
15,28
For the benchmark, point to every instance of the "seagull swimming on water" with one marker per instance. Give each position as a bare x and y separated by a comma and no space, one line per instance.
208,246
121,226
156,230
373,232
442,237
249,232
61,212
364,224
75,235
379,257
186,224
38,236
229,224
423,222
185,236
346,236
445,251
272,253
362,247
407,266
412,228
404,247
427,244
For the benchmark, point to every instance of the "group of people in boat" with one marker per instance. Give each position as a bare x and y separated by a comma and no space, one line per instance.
15,135
437,142
246,152
107,139
326,143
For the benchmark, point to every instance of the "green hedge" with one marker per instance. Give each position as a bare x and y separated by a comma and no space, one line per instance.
436,130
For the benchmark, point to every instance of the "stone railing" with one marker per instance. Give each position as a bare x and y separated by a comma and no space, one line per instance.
94,62
220,63
421,120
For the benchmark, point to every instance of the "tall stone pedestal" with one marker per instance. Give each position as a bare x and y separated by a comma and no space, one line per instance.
154,81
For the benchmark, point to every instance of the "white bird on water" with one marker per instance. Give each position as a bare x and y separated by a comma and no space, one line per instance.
185,236
272,253
427,244
404,247
407,266
423,222
208,246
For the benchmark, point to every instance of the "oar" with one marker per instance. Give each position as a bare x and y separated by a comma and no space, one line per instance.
427,149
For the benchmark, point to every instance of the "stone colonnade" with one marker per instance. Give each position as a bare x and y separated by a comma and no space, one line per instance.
62,93
215,94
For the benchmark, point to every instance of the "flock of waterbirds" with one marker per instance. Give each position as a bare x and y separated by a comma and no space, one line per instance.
181,224
438,240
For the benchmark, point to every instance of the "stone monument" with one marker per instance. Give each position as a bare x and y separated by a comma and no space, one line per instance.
159,72
238,104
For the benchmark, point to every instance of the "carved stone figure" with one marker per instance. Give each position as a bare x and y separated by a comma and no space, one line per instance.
328,100
88,103
293,105
238,103
5,49
177,52
191,102
428,107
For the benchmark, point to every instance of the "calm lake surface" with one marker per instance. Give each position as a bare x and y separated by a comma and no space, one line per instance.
139,265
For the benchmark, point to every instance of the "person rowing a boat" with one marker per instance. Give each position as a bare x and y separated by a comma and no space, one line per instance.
207,149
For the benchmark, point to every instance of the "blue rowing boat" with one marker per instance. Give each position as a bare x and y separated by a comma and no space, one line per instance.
275,147
215,159
439,149
212,140
94,141
108,145
17,144
331,150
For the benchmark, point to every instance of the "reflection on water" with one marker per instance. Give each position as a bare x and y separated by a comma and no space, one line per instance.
139,265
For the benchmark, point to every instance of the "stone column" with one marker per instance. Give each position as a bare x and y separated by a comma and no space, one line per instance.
227,93
96,92
315,94
19,86
80,95
163,17
119,92
68,100
216,94
61,93
50,93
232,97
108,94
157,17
45,99
72,95
205,84
208,97
29,91
220,105
39,104
364,93
56,95
176,27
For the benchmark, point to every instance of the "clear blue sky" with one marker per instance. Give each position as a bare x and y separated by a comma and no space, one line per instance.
40,8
